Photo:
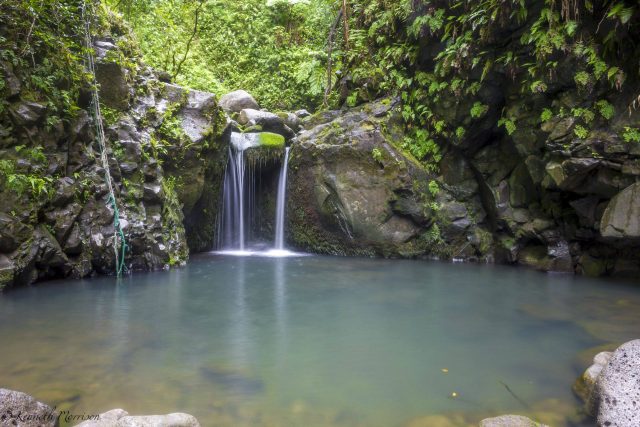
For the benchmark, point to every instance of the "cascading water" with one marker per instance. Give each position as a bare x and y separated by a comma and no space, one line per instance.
280,205
232,224
240,212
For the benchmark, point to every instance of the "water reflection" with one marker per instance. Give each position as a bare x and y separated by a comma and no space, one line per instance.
311,341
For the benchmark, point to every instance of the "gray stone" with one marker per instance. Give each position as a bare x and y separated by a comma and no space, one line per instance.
236,101
617,391
114,89
27,113
510,421
302,114
621,218
18,409
121,418
266,121
585,385
12,82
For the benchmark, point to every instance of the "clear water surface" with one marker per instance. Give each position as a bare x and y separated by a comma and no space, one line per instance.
315,341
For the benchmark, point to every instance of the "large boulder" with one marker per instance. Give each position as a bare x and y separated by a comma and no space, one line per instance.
265,120
236,101
621,219
352,191
114,87
121,418
617,391
18,409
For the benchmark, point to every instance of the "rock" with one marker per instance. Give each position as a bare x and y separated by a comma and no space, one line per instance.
291,120
510,421
153,193
266,121
21,410
27,113
343,201
236,101
102,47
621,219
554,257
584,386
196,114
121,418
617,391
12,82
114,89
6,271
302,114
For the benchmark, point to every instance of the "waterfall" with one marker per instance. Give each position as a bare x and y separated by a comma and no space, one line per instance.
232,225
244,198
280,206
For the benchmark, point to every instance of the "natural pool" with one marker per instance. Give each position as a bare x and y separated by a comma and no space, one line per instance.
314,341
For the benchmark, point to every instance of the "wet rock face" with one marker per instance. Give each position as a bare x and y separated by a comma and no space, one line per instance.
21,410
353,191
166,158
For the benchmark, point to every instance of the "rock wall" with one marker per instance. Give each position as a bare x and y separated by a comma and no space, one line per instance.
541,197
166,153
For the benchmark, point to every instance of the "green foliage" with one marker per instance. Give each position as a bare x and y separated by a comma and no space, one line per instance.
434,188
508,124
20,183
42,40
581,132
478,110
631,134
274,49
377,155
605,109
546,115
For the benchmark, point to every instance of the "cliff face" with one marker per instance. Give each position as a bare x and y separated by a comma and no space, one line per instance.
540,197
523,116
163,143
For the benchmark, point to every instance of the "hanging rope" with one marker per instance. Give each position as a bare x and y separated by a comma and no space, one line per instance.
119,241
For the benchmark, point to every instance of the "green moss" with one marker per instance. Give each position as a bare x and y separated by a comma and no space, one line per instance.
268,139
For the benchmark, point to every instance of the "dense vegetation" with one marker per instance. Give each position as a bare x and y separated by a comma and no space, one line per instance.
273,48
423,51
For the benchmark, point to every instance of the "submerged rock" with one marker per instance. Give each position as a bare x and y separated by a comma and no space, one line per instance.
18,409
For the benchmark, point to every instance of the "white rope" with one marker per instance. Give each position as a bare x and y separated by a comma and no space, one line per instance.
118,236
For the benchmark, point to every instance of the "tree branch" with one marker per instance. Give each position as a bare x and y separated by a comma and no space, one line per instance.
193,36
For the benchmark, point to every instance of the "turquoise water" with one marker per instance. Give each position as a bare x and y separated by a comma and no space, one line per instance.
314,341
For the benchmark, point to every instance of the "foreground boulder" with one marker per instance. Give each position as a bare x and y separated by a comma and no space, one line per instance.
616,394
18,409
121,418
